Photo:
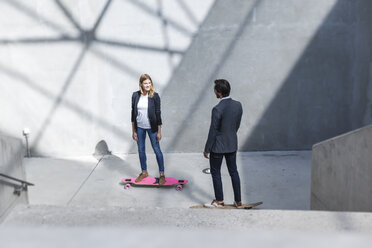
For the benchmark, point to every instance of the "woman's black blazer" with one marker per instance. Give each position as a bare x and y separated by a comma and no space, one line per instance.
154,112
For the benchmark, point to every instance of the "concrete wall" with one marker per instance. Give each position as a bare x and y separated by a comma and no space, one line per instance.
11,164
68,68
362,70
341,177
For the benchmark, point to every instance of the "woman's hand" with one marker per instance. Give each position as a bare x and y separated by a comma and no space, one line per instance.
134,136
158,136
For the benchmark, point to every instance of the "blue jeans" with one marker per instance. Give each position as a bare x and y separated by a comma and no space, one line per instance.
141,135
215,161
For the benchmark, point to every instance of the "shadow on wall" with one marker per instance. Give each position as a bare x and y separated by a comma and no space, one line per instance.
187,98
71,31
296,68
101,150
313,102
85,38
292,66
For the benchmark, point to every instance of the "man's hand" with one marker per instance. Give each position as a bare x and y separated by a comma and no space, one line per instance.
158,136
134,136
206,155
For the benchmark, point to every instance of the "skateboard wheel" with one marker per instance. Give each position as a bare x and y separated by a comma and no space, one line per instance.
127,186
179,187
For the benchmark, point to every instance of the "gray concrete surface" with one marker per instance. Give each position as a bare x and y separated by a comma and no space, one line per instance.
342,173
295,65
186,218
78,202
161,237
280,179
53,51
11,164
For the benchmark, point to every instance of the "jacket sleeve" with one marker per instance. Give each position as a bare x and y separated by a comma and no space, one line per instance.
213,129
157,109
133,100
240,117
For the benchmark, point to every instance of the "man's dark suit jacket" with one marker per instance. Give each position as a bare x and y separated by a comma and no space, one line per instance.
226,117
153,111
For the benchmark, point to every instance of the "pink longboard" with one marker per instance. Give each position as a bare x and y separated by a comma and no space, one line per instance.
154,181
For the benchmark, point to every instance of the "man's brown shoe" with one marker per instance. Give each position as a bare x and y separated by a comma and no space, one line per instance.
238,204
141,176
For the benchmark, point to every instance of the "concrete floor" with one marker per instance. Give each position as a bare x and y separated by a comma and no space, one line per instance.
280,179
78,202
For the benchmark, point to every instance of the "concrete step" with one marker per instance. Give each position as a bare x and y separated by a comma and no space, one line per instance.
128,236
187,218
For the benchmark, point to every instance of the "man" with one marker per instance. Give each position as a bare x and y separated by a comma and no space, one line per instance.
223,142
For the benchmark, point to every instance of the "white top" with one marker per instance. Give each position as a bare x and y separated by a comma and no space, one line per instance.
142,117
226,97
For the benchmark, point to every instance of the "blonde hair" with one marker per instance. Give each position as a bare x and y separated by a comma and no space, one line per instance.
143,78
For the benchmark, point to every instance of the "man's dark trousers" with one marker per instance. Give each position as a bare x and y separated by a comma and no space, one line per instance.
215,162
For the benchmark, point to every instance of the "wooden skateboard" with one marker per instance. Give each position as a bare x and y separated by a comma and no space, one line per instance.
231,206
154,181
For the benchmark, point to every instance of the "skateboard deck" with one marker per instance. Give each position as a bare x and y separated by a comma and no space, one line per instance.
154,181
231,206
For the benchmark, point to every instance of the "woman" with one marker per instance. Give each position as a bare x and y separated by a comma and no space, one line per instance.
146,118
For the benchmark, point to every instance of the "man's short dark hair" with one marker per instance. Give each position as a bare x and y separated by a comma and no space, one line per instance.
222,86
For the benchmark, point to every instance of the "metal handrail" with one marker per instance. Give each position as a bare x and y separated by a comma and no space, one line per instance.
17,180
18,188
